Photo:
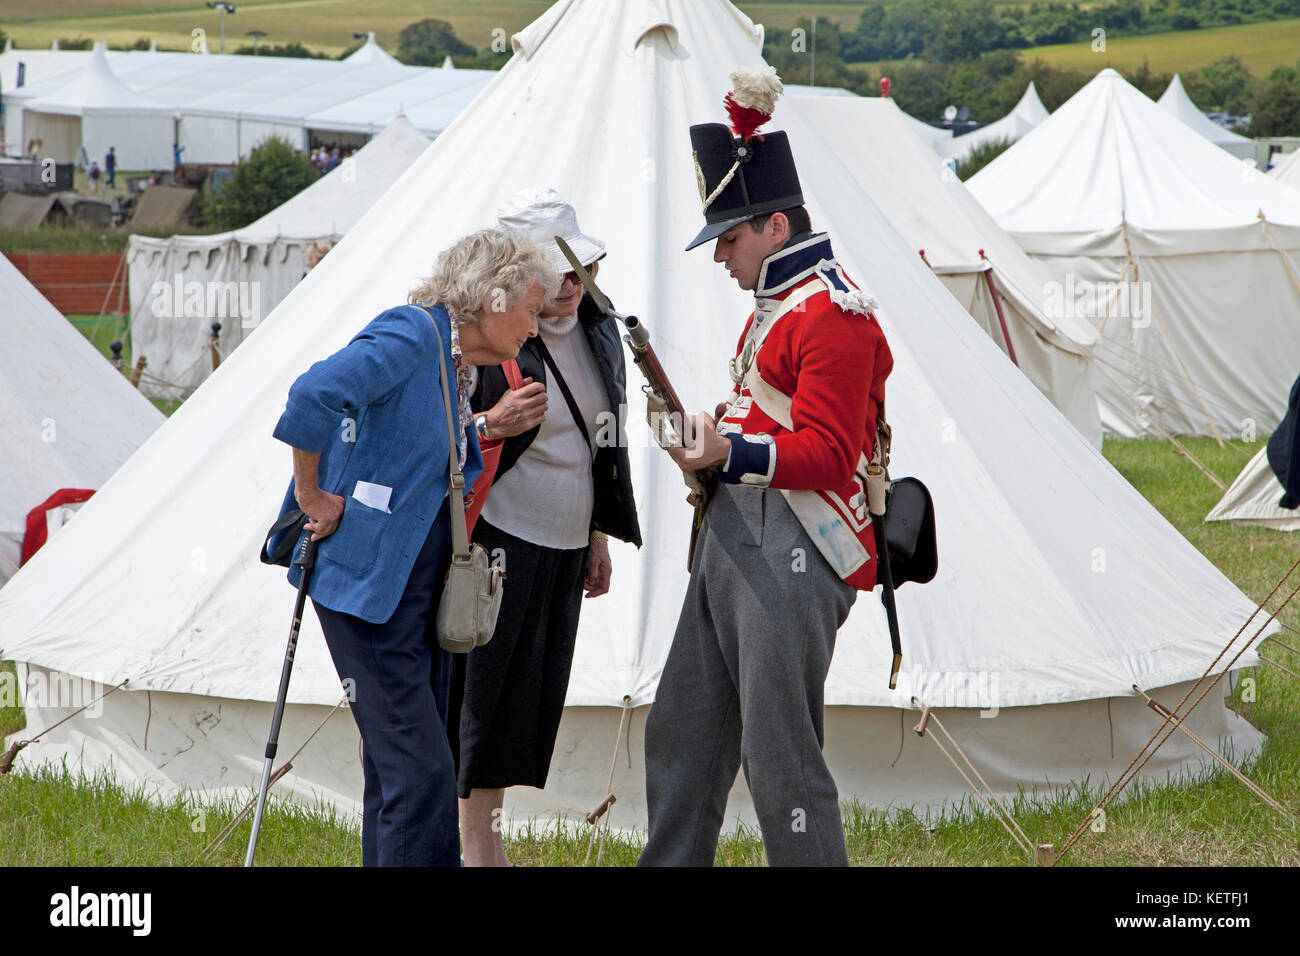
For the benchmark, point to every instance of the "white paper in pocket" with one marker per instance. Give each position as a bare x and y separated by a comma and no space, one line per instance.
373,496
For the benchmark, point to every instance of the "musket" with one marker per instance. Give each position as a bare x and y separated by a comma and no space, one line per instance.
657,386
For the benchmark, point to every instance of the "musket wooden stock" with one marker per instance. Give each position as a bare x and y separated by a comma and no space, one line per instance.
643,354
648,362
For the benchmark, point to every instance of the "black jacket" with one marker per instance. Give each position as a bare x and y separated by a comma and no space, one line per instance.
614,511
1284,451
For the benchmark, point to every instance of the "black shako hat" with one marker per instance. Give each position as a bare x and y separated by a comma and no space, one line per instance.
759,173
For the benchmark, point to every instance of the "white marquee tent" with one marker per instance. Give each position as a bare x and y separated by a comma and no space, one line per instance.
96,109
1176,102
263,261
429,98
39,68
1024,116
1060,587
372,52
1112,189
219,107
1000,286
67,417
38,65
932,136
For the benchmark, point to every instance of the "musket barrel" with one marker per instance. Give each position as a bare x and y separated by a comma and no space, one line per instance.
635,330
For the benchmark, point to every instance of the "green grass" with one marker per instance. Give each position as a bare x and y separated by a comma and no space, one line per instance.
1210,821
102,331
12,719
1261,47
323,25
327,25
66,240
51,821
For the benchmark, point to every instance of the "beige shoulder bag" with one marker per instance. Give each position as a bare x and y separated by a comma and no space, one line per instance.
471,598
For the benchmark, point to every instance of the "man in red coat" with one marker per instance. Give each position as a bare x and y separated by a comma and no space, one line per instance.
787,540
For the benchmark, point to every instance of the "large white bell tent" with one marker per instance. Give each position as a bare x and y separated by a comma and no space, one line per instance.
181,285
1024,116
1183,257
1252,499
68,419
1060,587
1000,286
1176,102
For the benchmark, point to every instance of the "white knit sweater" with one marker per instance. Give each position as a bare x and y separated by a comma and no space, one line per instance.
546,497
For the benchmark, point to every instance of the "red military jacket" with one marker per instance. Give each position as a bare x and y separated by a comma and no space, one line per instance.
810,372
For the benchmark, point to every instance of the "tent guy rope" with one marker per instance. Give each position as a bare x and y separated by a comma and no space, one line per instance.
1177,713
996,806
603,808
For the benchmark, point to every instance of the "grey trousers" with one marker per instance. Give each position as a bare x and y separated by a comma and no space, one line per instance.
744,686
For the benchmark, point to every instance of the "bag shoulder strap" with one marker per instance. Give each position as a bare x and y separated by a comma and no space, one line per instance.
514,378
456,491
564,390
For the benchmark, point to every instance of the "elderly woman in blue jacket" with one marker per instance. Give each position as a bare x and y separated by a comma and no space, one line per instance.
370,469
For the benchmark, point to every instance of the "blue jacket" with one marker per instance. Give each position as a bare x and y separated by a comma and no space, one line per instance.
374,412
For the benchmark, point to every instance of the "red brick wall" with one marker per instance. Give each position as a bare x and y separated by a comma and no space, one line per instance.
76,283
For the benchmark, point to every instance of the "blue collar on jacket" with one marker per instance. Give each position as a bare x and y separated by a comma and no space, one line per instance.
796,261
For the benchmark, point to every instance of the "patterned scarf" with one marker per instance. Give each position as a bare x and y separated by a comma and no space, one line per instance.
464,383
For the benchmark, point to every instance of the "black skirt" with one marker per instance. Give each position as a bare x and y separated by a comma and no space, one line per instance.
508,695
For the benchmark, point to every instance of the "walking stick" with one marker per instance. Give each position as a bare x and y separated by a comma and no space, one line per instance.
305,559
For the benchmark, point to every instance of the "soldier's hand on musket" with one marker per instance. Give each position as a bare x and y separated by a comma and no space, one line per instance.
518,411
704,447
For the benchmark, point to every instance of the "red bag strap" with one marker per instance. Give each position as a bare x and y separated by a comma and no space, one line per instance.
513,375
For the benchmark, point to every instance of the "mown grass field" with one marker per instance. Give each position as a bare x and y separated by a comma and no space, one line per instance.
49,820
1261,46
328,25
323,25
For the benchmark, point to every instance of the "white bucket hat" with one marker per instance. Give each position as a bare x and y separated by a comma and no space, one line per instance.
542,215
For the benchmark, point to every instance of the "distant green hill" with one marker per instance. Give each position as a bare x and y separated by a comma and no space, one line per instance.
1261,47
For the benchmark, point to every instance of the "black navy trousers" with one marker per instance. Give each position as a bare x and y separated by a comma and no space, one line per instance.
399,680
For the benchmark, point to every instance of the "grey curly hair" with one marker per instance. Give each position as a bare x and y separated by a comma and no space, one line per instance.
489,270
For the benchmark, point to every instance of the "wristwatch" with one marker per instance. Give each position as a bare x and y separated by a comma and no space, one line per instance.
481,426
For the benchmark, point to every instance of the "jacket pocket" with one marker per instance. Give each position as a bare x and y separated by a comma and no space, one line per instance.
355,545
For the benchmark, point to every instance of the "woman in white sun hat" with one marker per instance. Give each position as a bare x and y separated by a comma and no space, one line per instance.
559,493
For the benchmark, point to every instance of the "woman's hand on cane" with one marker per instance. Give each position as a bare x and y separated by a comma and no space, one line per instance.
324,511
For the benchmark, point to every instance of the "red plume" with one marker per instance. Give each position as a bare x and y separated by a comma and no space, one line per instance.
745,120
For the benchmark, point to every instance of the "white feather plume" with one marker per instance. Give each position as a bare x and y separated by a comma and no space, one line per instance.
757,87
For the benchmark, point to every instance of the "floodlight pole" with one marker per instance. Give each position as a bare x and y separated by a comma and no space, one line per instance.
224,8
812,66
